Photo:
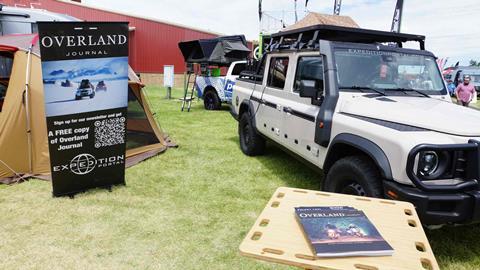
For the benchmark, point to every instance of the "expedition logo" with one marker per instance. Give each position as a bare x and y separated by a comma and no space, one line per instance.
85,163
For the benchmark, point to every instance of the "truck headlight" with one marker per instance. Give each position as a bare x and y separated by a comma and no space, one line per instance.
456,163
428,163
432,164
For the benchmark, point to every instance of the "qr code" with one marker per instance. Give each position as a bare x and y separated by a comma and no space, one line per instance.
109,132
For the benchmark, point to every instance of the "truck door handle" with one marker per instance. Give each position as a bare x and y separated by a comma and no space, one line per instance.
287,109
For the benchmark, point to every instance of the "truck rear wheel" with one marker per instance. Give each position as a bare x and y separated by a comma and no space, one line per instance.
251,143
211,101
354,175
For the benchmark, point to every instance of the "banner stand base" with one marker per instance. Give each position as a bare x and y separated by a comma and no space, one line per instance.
72,195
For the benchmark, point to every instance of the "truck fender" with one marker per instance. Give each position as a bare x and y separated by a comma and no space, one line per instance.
247,106
359,144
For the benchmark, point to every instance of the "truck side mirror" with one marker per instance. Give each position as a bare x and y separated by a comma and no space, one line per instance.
309,89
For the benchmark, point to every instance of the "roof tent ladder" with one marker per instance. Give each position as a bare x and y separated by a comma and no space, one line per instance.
189,85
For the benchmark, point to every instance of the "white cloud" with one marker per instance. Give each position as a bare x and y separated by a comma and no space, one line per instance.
450,26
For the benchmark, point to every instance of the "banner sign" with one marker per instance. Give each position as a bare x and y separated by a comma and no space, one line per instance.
85,77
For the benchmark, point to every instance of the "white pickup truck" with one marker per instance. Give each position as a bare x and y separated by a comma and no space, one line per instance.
217,90
376,118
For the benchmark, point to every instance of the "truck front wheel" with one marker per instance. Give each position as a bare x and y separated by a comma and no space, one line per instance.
354,175
251,143
211,100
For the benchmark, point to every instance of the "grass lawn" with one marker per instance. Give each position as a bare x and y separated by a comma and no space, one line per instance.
188,208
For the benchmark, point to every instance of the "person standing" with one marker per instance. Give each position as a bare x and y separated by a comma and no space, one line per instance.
465,91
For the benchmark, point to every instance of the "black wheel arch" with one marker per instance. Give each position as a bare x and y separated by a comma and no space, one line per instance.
247,106
209,88
346,144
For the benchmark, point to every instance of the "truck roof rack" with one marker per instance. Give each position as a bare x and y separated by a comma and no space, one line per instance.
308,37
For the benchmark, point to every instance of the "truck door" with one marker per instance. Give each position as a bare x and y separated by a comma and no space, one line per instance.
299,115
232,75
270,114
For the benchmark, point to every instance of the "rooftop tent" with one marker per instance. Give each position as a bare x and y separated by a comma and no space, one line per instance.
217,51
22,154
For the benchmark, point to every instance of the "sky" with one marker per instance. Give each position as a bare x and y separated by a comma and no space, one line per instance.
451,27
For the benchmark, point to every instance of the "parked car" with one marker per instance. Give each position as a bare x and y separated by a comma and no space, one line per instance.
66,83
215,90
101,86
85,89
377,119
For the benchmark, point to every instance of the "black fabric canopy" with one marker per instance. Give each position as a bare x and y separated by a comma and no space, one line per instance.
220,51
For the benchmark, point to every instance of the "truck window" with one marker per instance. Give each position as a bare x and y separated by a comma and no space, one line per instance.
14,27
309,68
277,72
238,68
6,63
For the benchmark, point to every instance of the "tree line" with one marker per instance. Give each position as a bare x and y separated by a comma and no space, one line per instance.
474,63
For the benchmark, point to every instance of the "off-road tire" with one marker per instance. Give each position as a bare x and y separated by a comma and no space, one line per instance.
92,95
211,101
251,143
355,175
78,98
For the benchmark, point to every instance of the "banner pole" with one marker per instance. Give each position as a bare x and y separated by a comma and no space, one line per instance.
27,104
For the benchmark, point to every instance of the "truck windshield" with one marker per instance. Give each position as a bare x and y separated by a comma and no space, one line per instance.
372,69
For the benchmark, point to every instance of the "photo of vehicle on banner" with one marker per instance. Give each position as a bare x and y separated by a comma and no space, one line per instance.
85,77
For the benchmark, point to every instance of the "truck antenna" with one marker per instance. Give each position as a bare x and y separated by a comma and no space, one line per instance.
397,17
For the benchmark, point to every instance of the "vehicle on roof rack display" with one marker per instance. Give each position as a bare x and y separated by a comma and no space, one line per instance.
213,55
371,114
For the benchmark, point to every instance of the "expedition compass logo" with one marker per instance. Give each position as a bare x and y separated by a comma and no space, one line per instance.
83,164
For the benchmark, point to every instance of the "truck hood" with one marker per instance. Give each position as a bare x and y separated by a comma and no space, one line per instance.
428,113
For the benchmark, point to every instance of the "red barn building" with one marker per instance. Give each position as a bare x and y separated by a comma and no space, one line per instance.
153,43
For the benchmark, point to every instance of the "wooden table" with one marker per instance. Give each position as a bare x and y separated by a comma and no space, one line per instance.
277,236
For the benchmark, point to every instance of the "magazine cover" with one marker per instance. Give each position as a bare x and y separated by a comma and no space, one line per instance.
341,231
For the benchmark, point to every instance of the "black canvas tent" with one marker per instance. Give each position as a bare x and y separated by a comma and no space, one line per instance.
216,51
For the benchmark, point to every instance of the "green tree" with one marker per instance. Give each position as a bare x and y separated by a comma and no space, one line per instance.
474,63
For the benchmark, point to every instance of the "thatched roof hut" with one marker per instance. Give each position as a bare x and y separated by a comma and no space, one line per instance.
314,18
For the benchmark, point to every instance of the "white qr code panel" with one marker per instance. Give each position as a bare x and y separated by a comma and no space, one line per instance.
110,132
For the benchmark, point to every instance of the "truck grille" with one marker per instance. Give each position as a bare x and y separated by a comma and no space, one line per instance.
460,166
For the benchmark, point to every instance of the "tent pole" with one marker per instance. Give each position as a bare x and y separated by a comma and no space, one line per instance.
27,105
